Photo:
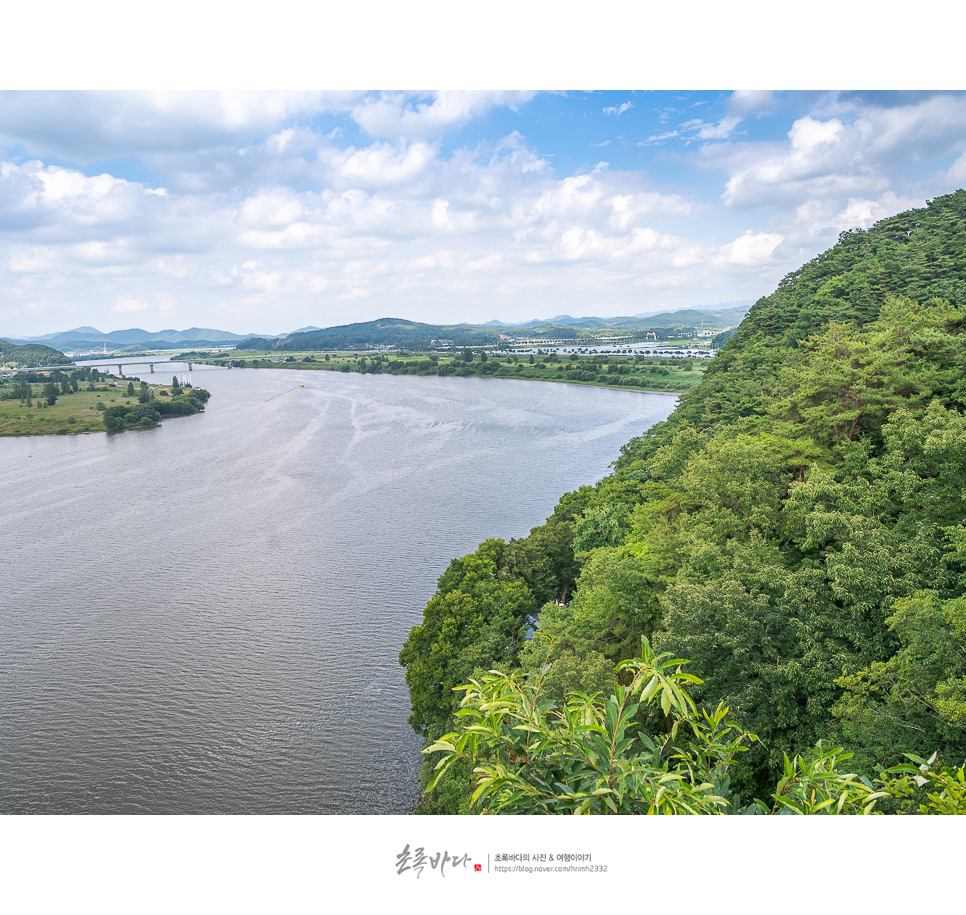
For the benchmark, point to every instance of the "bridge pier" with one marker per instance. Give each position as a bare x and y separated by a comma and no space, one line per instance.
152,367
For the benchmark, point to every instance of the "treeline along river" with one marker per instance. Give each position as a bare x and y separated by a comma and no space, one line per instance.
205,617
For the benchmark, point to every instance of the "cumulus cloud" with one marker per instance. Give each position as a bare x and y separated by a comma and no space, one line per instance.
270,210
827,217
817,151
747,102
393,115
844,149
90,126
66,203
385,163
127,303
749,250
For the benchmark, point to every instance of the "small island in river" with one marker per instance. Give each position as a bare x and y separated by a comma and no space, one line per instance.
65,401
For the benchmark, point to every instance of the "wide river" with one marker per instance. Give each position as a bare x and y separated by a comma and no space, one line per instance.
206,617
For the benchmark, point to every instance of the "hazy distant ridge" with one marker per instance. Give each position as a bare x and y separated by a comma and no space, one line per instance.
714,317
135,336
399,331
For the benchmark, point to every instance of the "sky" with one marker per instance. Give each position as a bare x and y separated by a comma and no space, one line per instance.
230,200
268,211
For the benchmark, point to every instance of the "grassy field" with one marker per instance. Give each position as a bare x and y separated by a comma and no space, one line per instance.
73,413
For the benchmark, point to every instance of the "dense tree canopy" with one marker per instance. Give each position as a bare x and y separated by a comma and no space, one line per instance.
796,530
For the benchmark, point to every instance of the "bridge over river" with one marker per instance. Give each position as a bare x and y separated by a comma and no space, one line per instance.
120,366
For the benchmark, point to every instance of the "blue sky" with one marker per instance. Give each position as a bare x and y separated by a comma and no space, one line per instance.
270,210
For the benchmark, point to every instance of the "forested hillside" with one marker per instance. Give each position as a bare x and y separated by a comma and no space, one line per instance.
33,355
385,332
796,530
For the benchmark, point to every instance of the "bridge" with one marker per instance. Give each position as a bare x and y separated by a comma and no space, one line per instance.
120,365
104,364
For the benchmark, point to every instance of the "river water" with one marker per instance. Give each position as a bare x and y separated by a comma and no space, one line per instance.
206,617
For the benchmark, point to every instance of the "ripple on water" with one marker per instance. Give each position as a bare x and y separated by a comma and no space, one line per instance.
207,618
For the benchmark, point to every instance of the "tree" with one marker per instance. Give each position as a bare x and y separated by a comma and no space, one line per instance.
51,391
797,528
544,560
22,390
918,696
474,621
112,421
531,757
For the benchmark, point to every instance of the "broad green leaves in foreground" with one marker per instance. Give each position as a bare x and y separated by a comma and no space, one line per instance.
647,749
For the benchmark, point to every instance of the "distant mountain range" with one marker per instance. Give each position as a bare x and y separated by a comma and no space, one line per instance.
90,337
713,316
414,334
397,331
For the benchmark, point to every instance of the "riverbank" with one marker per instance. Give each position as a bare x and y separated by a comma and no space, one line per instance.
86,400
633,372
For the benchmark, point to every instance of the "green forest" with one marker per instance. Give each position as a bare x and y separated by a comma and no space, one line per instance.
34,355
762,609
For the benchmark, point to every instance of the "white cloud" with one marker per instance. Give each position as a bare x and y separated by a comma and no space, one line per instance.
384,163
33,193
746,102
846,148
127,303
749,250
718,131
520,155
272,209
819,217
658,137
394,116
617,110
87,126
817,151
275,212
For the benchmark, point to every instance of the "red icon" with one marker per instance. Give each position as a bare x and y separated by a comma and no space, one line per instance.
477,867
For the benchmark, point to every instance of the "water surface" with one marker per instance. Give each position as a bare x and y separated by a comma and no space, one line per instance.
206,617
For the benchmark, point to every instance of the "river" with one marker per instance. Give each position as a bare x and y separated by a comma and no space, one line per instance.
206,617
